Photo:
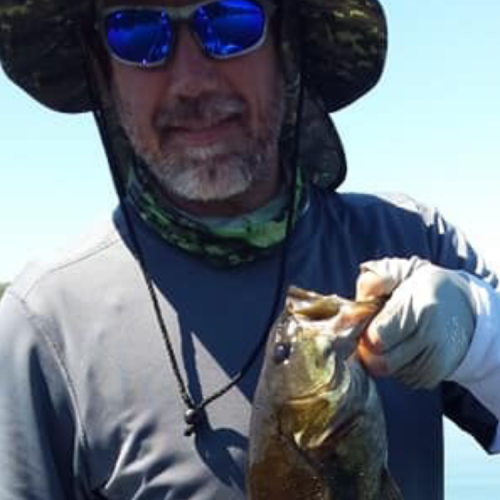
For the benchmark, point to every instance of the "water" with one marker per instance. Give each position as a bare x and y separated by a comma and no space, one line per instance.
471,474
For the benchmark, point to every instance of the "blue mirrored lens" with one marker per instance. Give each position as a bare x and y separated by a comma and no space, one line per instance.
139,36
228,27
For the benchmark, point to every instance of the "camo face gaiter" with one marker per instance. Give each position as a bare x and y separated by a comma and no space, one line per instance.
222,241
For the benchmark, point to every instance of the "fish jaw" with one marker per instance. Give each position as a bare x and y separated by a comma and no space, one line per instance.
344,319
311,420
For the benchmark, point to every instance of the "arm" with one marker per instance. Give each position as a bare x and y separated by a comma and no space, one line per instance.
438,325
36,424
479,371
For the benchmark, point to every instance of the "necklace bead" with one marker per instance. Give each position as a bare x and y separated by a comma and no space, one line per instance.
193,417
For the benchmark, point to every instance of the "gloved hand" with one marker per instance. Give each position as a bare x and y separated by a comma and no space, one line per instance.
425,328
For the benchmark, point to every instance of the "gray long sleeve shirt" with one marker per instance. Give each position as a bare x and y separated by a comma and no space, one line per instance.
89,406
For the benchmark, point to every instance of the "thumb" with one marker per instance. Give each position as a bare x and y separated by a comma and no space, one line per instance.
381,277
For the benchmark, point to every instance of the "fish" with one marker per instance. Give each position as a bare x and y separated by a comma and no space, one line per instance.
317,428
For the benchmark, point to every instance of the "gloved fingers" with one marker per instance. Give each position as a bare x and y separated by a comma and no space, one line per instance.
394,323
381,277
415,364
430,295
423,331
403,362
410,361
392,328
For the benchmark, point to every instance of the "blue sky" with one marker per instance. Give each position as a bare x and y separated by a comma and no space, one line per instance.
429,129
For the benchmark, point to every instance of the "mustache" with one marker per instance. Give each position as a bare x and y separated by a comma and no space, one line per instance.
206,110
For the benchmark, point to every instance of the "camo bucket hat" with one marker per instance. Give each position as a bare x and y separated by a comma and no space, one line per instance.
342,44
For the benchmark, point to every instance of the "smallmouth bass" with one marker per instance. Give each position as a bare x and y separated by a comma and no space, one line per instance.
317,429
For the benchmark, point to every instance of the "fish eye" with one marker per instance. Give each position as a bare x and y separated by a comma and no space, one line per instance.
281,352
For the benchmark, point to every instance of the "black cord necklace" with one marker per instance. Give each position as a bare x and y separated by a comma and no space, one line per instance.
195,413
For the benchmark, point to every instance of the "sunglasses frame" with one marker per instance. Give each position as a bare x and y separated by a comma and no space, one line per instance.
177,15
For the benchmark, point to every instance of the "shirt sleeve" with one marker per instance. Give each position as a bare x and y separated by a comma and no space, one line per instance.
479,371
37,434
471,403
495,447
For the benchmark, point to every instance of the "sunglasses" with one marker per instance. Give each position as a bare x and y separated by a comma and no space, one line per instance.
145,36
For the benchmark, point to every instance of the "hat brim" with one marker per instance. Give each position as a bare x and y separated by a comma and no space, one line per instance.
345,48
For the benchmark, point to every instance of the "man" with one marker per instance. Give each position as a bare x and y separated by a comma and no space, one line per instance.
149,329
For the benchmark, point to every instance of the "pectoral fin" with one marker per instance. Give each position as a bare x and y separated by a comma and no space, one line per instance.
389,489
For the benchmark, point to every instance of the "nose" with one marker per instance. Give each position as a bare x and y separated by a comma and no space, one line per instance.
192,72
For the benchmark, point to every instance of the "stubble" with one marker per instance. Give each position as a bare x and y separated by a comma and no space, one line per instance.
214,172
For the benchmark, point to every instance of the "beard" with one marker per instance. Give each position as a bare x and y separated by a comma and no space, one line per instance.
217,171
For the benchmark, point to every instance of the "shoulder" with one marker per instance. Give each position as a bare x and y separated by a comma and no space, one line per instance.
383,204
396,212
58,307
402,226
394,224
47,333
85,255
71,281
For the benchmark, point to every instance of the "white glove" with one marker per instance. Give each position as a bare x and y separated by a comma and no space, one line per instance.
425,328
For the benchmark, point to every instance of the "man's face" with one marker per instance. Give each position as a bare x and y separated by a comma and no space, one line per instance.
207,129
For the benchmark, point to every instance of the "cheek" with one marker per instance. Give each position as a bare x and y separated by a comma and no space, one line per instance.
272,84
135,94
261,83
